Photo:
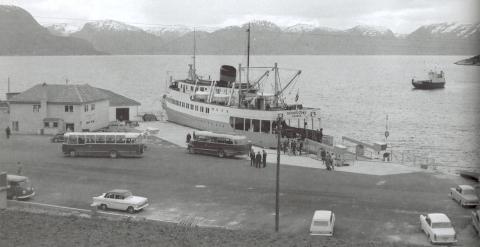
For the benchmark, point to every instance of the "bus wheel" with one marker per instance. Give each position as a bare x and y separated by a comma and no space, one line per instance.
73,153
221,154
113,154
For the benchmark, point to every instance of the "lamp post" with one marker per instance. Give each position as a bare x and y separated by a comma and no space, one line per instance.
277,187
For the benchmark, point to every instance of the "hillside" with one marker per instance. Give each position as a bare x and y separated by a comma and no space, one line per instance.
470,61
20,34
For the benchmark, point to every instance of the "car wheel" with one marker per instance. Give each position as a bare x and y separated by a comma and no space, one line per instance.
113,154
130,210
221,154
73,153
103,207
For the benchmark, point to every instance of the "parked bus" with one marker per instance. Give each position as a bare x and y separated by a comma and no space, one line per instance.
113,144
221,145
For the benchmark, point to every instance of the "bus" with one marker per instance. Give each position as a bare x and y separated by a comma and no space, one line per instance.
113,144
222,145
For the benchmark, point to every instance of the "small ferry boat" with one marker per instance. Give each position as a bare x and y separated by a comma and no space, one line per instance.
435,80
235,104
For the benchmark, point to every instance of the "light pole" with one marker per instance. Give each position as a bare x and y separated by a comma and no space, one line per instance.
277,188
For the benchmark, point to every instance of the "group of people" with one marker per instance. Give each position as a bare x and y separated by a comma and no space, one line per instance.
327,159
258,160
291,146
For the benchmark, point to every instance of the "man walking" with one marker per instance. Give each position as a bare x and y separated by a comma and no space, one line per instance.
323,154
264,158
189,137
7,132
258,160
252,157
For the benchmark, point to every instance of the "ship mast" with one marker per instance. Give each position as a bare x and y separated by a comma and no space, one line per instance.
194,76
248,52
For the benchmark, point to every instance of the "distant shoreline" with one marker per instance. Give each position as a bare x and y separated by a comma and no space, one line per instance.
475,61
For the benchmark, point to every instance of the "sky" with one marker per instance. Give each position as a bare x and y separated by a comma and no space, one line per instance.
401,16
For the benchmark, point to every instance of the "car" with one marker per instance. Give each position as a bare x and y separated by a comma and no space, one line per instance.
59,137
438,228
19,187
476,220
323,222
465,195
120,199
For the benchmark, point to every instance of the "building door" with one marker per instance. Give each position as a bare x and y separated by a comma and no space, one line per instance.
122,114
69,127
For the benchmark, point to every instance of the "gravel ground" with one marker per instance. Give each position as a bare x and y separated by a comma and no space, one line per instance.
21,228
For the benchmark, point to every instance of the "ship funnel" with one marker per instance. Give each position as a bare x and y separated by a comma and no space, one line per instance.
228,73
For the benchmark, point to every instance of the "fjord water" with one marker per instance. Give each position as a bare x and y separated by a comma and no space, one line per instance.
355,93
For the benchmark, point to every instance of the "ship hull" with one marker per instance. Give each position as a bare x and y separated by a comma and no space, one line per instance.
219,118
428,85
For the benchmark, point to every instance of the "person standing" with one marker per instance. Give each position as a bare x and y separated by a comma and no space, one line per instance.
294,147
264,158
285,146
323,155
300,147
320,135
19,168
8,132
189,137
252,157
258,160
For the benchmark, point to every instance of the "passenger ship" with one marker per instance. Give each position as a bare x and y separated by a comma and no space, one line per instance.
232,105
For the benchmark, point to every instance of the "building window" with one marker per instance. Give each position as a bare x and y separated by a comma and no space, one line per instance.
196,107
207,110
69,108
85,108
15,126
46,124
201,108
92,107
36,108
55,124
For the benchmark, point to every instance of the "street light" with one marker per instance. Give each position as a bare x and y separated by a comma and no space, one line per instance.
277,188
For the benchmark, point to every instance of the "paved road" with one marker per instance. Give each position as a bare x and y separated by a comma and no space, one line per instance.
230,193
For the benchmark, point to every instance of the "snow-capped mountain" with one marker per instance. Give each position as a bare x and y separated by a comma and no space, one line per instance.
171,30
449,30
111,25
371,31
62,29
299,28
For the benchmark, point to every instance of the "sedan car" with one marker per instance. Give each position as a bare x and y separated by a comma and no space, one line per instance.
465,195
476,220
438,228
120,200
323,222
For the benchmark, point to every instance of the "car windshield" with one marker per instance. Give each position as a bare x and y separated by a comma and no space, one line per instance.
320,223
441,225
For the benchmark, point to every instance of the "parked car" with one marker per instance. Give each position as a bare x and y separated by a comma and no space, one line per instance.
59,137
438,228
323,222
19,187
465,195
476,220
120,200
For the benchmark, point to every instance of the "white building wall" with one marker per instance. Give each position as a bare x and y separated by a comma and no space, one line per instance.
29,122
97,118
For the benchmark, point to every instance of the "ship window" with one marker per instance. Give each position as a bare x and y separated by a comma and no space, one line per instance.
256,125
201,89
239,123
188,105
232,121
265,126
191,107
247,124
196,108
191,88
207,110
201,108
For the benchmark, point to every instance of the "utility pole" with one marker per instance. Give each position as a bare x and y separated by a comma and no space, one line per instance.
277,187
248,52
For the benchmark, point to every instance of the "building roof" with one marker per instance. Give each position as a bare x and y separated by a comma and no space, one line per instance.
59,93
119,100
71,94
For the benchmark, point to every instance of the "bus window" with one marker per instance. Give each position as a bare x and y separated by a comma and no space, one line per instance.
256,125
110,139
72,139
120,139
131,140
81,139
100,139
228,141
90,139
